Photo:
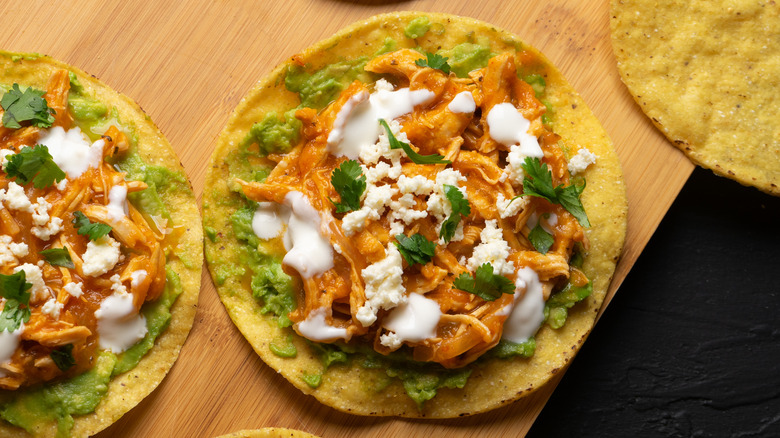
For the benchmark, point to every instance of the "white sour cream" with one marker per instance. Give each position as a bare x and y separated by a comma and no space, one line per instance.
548,221
416,320
118,325
117,203
71,150
308,251
463,103
268,220
509,127
337,131
8,344
315,328
362,126
527,315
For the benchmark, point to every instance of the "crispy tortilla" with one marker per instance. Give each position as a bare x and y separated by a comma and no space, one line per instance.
705,74
128,389
360,390
269,432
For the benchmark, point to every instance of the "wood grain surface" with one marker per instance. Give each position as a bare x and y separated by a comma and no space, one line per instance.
188,64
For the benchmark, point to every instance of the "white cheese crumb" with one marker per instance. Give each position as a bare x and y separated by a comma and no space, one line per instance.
581,161
418,185
40,212
403,209
137,277
11,251
74,289
384,286
34,276
101,256
383,85
354,221
44,233
4,153
52,308
508,207
391,340
116,285
16,199
377,199
492,249
371,154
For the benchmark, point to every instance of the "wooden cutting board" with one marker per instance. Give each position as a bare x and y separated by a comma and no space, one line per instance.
188,63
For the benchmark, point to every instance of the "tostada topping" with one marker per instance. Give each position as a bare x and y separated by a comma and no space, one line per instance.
429,212
78,260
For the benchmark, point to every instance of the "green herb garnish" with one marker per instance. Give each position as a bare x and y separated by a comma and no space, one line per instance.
538,182
26,106
63,357
460,206
434,60
93,230
414,156
58,257
415,249
541,239
15,289
485,284
350,183
34,164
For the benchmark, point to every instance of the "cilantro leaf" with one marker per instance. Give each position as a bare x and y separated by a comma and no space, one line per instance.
569,198
58,257
538,182
414,156
541,239
63,357
15,289
34,164
93,230
485,284
350,184
415,249
434,60
460,206
26,106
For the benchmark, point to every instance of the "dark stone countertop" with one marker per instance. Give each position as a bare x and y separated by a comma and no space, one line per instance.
690,345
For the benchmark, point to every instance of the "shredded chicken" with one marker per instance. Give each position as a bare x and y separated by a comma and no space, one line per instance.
470,325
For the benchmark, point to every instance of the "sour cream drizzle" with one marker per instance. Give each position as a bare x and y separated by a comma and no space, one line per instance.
308,251
315,328
463,103
509,127
118,325
117,202
71,150
357,123
416,320
527,313
8,343
268,221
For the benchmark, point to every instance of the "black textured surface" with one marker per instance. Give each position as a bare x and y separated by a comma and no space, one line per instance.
690,346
